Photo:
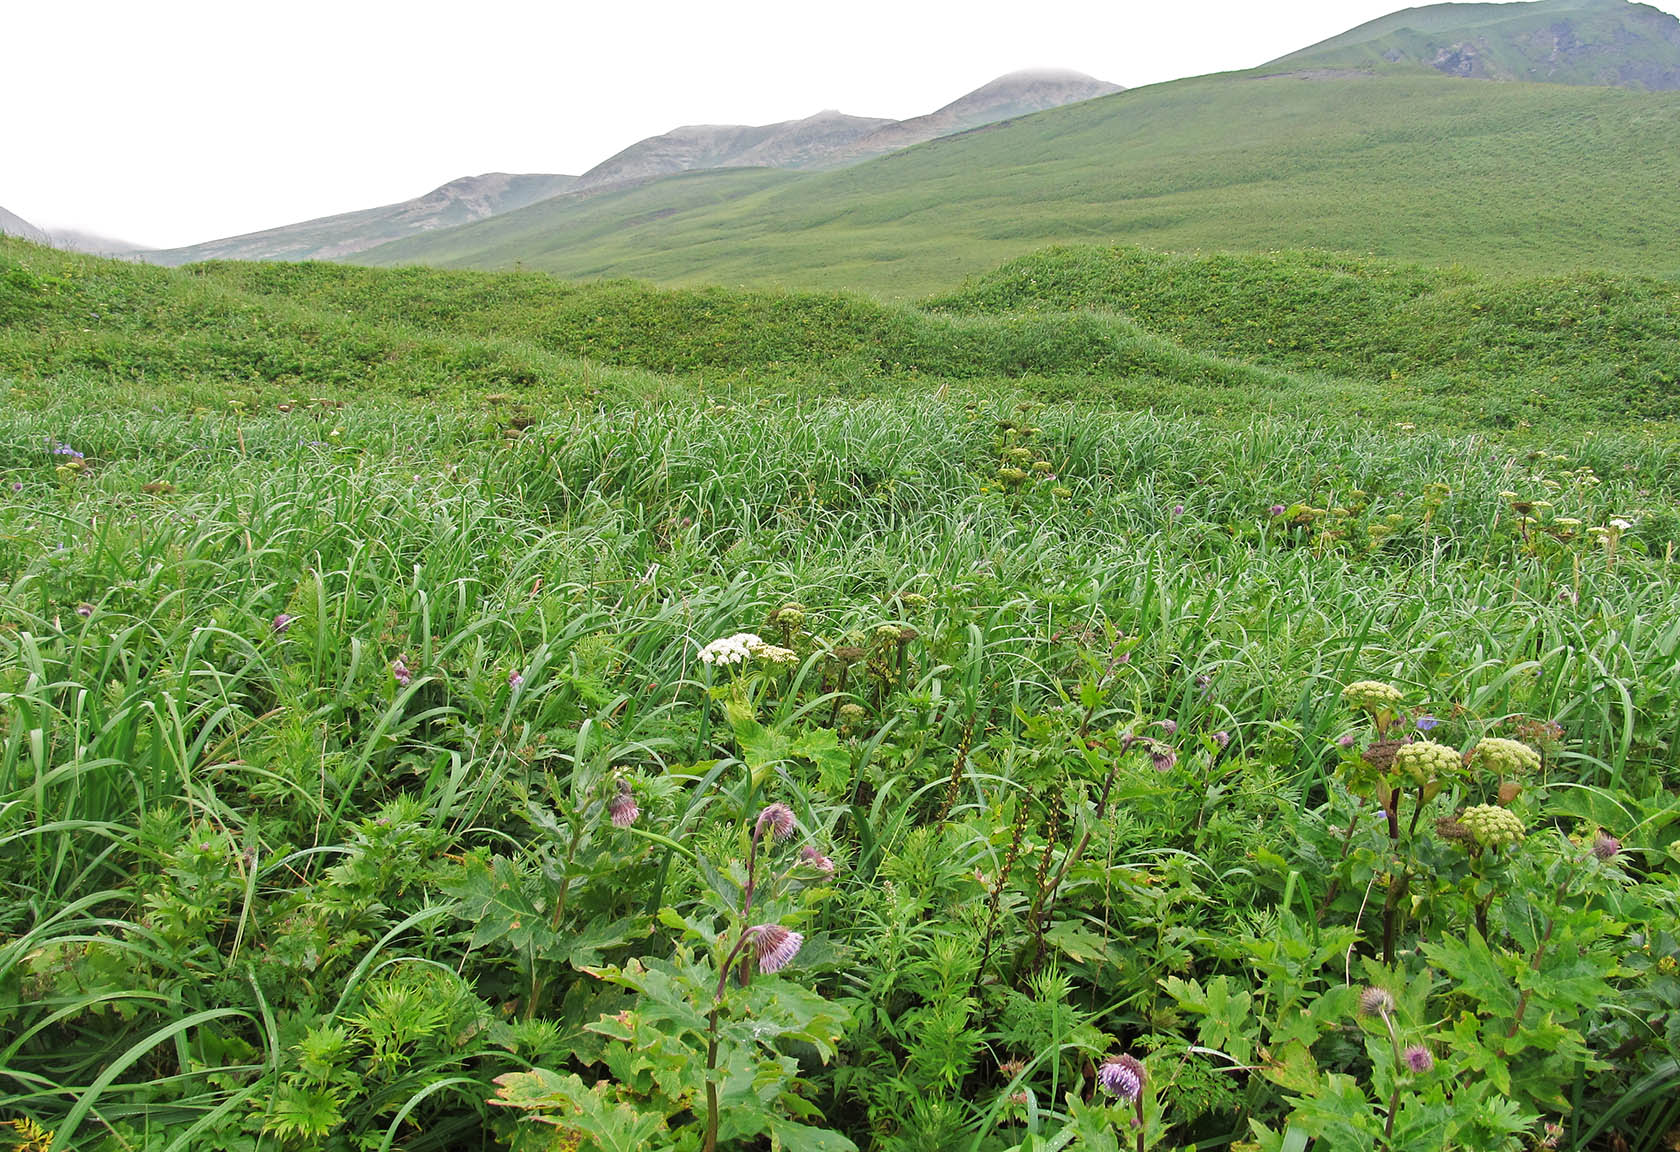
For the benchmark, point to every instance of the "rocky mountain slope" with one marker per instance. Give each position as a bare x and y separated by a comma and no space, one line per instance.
1596,42
331,237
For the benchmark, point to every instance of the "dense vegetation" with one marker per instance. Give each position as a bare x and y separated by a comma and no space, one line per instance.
382,764
1509,179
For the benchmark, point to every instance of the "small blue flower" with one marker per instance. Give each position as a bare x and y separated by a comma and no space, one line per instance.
1426,722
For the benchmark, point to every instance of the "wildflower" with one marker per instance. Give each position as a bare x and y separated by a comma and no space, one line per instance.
1426,722
771,654
1493,827
852,717
1374,1001
1505,757
790,615
1121,1076
84,610
1372,695
775,946
1606,847
1418,1058
1222,738
17,485
1163,756
400,672
1277,509
622,808
1178,510
282,622
1618,524
809,855
731,649
515,680
777,819
1170,727
1348,739
1425,761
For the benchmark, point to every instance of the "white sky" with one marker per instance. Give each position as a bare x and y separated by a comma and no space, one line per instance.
168,122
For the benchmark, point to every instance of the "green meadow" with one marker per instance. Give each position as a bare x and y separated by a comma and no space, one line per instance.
1112,700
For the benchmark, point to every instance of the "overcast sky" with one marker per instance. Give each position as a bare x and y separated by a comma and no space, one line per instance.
168,122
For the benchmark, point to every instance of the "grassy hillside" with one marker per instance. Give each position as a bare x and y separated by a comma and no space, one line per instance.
1291,332
1508,178
1550,41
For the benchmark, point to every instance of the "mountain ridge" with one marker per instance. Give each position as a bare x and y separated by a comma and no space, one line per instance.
460,201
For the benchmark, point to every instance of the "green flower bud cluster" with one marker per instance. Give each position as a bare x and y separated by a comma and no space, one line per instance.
1372,696
1013,477
1491,826
788,616
1505,757
1426,761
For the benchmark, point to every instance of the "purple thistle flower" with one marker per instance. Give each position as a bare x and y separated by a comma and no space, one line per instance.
84,610
1419,1059
400,672
1121,1076
809,855
1163,756
775,946
1606,847
1426,722
281,623
622,808
776,819
1278,509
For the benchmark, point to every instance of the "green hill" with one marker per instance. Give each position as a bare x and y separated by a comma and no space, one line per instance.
1121,327
1603,42
1508,178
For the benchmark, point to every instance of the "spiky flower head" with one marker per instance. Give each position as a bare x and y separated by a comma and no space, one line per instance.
1418,1058
776,819
1606,847
810,857
1121,1076
1163,756
1374,1001
1426,761
1492,826
775,946
622,808
1505,757
1372,696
